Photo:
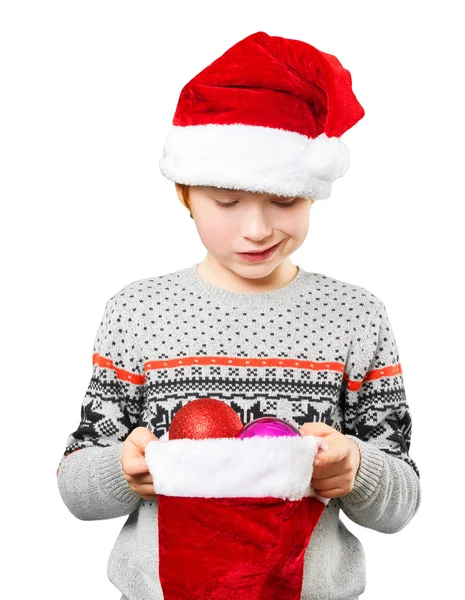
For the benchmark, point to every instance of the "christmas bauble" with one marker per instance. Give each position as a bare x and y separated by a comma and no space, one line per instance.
205,418
268,426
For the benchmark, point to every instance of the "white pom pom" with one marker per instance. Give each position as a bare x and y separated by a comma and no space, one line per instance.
328,157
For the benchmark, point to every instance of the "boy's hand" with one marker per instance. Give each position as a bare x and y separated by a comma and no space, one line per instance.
339,461
134,465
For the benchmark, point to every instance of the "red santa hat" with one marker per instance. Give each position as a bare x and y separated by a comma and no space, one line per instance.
235,516
266,116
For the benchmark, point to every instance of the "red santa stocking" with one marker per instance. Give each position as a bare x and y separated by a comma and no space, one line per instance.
235,516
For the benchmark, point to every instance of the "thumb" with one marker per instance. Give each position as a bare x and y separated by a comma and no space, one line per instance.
317,430
140,437
133,453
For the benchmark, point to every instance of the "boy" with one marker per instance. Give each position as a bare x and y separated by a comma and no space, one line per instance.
255,140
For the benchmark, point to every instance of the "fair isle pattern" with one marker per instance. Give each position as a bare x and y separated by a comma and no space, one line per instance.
318,349
215,360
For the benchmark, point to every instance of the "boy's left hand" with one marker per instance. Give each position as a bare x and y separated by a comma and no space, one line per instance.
339,463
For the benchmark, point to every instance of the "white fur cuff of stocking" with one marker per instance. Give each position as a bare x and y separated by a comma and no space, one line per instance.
256,467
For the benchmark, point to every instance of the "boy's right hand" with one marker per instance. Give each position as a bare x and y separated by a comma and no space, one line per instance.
134,464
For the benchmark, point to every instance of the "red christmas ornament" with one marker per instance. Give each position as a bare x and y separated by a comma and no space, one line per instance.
205,418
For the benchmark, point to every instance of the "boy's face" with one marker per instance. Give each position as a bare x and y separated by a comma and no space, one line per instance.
250,221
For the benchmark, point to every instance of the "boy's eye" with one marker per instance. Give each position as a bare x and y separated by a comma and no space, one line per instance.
283,204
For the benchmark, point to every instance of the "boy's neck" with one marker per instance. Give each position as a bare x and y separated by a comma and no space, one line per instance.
212,271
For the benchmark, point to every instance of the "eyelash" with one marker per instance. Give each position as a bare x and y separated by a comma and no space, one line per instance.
284,205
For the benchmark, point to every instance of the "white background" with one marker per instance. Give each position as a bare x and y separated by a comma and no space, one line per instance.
88,94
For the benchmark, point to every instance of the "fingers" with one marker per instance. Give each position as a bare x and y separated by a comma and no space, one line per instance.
146,490
143,479
334,493
338,484
334,455
135,466
137,472
332,470
142,486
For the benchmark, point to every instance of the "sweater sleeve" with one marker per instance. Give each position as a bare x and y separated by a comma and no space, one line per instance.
90,477
386,493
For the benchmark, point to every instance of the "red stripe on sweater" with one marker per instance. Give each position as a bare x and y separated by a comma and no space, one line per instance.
352,385
243,362
122,374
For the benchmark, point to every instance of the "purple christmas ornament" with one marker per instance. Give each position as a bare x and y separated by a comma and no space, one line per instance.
268,426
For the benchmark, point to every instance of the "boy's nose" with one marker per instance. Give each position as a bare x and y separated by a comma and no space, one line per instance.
256,225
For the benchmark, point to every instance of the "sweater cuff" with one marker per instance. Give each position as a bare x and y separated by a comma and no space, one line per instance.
372,461
110,473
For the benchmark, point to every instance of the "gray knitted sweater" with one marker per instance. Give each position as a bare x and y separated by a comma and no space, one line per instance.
321,349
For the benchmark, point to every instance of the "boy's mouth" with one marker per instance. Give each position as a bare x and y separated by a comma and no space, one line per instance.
259,256
259,251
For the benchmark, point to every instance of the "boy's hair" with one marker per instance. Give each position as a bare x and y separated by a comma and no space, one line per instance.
185,196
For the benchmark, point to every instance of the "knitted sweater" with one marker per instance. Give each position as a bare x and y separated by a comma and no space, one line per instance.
317,349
